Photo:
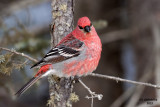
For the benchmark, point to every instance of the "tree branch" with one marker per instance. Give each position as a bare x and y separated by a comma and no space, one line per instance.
93,94
124,80
92,74
134,90
18,53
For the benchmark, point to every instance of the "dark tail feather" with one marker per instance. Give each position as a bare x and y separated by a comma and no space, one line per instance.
27,85
38,63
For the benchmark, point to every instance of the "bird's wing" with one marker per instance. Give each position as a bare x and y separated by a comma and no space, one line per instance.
67,48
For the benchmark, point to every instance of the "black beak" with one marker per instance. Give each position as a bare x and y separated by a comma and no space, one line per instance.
87,28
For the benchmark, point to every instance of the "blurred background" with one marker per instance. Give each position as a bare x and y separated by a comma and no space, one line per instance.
130,33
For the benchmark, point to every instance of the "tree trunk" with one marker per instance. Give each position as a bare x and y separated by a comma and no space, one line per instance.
62,24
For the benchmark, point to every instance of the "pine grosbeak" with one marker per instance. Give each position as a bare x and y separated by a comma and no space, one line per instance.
77,54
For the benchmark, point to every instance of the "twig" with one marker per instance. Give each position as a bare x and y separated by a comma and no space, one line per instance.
92,74
145,78
124,80
134,89
18,53
93,94
139,89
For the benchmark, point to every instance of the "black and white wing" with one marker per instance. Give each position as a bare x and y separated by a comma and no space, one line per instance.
63,51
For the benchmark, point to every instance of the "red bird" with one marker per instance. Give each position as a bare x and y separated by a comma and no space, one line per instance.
77,54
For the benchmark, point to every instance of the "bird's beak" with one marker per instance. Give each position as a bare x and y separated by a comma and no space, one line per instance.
87,28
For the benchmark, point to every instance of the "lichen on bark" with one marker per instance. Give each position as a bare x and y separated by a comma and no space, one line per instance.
62,24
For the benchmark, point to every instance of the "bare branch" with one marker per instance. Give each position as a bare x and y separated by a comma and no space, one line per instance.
138,89
18,53
124,80
93,94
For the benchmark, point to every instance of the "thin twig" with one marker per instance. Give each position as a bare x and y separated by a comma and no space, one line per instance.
139,89
18,53
93,94
92,74
133,101
134,90
124,80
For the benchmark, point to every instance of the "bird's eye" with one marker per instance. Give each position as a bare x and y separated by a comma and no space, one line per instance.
80,27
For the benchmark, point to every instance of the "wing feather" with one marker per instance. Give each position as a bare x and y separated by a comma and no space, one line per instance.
63,51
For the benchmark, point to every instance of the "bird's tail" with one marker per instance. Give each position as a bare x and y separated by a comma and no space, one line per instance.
28,85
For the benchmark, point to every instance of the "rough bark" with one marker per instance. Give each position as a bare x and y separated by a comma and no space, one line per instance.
62,14
62,24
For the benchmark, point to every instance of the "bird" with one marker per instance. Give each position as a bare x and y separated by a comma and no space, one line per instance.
77,54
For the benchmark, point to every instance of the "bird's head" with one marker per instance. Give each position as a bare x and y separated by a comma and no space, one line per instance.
84,24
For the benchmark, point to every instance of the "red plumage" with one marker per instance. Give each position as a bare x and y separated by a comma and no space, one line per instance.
77,54
43,69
